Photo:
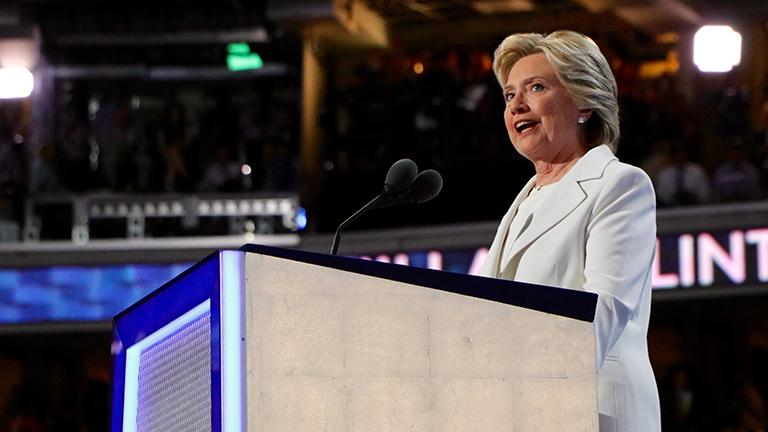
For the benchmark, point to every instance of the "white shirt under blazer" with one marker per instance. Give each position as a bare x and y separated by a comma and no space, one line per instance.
596,231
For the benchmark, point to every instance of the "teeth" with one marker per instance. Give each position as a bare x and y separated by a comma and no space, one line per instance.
521,124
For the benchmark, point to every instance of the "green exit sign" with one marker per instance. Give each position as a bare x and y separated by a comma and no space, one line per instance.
240,57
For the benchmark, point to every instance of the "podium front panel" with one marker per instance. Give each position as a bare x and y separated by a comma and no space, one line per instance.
342,351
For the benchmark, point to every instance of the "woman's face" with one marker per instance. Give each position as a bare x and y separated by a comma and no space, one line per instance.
541,119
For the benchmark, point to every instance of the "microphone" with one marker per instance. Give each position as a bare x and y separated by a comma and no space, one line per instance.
401,186
426,186
400,175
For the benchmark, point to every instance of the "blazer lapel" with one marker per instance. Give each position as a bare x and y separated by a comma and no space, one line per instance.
562,201
493,262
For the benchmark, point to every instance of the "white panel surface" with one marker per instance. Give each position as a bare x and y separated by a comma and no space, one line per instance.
329,350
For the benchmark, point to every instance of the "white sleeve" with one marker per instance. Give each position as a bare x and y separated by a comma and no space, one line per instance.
621,237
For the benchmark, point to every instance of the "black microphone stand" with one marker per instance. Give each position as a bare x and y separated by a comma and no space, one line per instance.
337,236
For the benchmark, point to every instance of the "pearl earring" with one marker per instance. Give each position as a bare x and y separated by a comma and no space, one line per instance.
581,120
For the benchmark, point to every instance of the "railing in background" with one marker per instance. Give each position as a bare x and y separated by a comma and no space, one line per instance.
83,218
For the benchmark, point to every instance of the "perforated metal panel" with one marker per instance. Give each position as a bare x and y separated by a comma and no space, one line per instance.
174,392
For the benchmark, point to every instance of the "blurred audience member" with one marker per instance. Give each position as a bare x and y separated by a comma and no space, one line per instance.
657,160
731,117
28,407
736,178
218,128
681,181
280,171
222,174
43,177
679,402
117,137
14,174
173,142
748,411
73,153
761,145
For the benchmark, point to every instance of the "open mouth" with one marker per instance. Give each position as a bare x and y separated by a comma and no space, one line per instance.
524,125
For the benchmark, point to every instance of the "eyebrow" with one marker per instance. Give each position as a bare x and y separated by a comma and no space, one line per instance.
525,81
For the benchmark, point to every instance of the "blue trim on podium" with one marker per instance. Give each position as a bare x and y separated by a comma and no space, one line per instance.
569,303
156,310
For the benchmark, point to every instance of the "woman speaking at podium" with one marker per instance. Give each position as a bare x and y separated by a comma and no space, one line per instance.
585,220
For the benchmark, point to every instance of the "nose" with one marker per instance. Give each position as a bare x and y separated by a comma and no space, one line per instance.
517,105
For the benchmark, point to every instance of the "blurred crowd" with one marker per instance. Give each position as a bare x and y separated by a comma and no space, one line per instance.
115,142
687,405
714,154
55,384
442,109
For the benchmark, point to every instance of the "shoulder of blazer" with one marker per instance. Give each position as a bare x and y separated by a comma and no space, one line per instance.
619,174
619,182
600,164
593,164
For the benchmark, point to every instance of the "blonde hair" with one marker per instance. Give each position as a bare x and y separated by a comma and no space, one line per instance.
580,67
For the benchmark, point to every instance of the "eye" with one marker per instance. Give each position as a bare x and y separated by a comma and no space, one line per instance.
537,87
508,96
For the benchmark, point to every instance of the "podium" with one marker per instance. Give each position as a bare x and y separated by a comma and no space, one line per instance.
268,339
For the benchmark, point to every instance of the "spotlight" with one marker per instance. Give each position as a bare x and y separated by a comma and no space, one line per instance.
15,82
716,48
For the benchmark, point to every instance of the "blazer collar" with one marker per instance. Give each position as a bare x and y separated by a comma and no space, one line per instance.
566,195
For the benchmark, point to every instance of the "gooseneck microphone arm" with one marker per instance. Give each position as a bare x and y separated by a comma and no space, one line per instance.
357,214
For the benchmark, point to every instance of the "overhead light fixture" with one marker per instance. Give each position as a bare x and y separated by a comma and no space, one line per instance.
716,48
669,37
492,7
16,82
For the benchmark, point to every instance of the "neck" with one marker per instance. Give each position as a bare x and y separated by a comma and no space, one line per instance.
548,172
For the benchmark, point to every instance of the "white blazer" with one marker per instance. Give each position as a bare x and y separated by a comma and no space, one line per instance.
596,231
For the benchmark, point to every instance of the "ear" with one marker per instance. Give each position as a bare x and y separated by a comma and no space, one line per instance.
584,114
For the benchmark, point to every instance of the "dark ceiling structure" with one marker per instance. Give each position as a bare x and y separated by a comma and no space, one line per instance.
195,32
641,25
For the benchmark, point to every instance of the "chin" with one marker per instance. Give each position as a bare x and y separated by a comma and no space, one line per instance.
522,151
526,148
